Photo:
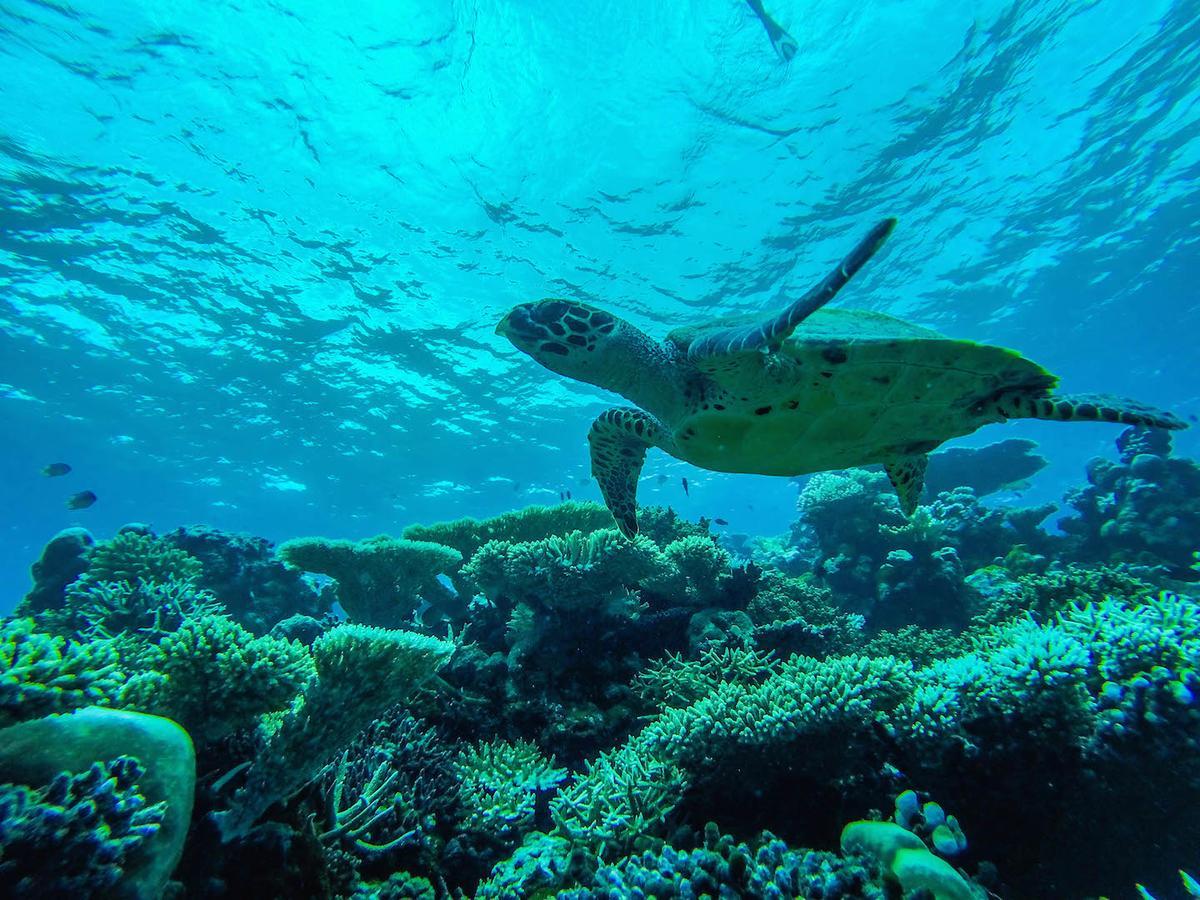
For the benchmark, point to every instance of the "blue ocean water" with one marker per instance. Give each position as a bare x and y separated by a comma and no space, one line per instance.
252,257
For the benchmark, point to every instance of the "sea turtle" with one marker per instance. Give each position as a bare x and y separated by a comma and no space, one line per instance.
802,390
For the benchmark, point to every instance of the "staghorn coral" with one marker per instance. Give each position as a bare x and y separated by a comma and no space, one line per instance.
42,673
73,837
674,681
393,795
380,580
360,673
622,796
501,781
215,677
136,557
150,608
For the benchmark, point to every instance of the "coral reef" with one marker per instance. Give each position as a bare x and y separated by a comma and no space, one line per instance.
360,673
380,581
75,836
256,588
532,705
36,753
43,673
1144,509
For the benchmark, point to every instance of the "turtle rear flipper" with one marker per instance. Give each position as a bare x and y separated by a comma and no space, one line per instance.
1085,408
770,332
619,439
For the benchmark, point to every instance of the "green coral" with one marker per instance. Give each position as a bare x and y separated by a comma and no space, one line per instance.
533,523
500,783
380,580
137,558
673,681
42,673
151,608
623,795
1001,596
361,672
215,677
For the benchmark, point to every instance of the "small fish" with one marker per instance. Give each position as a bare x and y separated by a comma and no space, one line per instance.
561,497
1192,416
568,495
686,492
720,522
55,469
661,479
783,42
82,500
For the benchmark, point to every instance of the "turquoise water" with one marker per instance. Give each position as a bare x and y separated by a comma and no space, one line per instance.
253,257
252,262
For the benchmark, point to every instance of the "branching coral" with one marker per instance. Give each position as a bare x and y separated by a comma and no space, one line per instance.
674,681
395,789
215,677
151,608
42,674
501,781
379,580
724,868
533,523
137,557
623,795
361,672
72,838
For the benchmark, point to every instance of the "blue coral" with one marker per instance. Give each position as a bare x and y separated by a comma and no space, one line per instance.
72,837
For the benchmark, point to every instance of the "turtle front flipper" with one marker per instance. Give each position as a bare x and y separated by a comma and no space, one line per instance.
770,332
1084,408
619,439
907,475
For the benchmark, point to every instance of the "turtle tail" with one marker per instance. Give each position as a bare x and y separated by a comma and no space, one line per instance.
1084,408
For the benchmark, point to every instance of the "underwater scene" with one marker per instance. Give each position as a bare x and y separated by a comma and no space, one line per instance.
524,449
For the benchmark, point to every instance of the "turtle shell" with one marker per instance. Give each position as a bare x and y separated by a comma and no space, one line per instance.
848,388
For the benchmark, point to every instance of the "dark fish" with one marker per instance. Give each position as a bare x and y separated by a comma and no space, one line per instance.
55,469
720,522
661,479
561,497
783,42
685,488
82,500
568,495
1193,417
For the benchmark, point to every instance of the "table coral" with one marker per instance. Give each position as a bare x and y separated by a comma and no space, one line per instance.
380,580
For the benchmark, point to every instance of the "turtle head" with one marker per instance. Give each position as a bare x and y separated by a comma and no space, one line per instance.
570,338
